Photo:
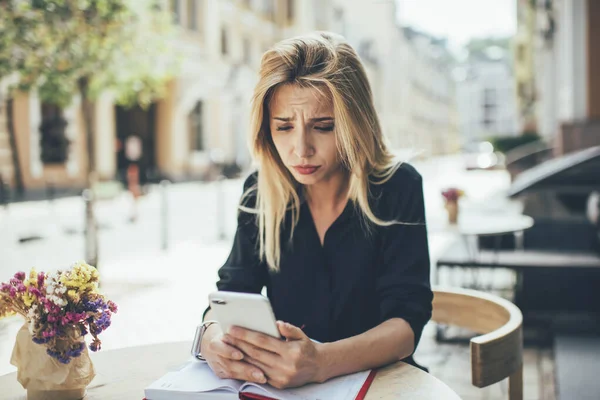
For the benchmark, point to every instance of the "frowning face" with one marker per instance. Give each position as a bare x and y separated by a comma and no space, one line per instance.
303,131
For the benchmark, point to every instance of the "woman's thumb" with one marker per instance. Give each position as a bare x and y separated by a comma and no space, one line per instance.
290,331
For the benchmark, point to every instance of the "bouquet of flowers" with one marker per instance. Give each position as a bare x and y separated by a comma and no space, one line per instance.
60,308
451,195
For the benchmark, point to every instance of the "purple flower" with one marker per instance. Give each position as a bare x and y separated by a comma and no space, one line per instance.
12,292
95,346
40,279
21,288
15,281
40,340
92,305
103,322
112,307
35,291
4,287
20,275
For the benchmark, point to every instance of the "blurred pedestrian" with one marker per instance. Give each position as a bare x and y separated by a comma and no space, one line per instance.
133,154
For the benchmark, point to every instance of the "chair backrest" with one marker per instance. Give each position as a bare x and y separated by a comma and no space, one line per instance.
498,352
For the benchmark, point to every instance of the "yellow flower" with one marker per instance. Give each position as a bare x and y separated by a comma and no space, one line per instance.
28,299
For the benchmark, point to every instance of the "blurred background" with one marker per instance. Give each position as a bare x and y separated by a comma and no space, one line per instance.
123,129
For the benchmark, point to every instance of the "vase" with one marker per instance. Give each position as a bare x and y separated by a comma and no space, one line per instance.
452,208
44,377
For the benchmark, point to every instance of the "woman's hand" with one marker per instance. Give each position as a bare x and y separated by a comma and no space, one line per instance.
289,363
228,362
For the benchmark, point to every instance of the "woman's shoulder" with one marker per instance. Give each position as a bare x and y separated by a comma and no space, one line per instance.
404,177
396,191
251,180
249,192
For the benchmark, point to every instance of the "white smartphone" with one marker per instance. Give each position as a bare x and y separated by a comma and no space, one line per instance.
246,310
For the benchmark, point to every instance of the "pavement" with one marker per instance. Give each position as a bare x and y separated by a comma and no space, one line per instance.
162,293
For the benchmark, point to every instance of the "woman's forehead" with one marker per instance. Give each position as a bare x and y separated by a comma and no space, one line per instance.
289,99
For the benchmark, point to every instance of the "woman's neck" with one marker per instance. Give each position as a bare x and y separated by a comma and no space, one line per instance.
329,194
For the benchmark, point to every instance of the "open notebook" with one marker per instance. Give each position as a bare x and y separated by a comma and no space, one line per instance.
195,380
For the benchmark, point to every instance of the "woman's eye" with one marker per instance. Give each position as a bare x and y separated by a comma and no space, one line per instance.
328,128
284,128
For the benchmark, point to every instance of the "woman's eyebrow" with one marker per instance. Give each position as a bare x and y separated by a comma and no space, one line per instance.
319,119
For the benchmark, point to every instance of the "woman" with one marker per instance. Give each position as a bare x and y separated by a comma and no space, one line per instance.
330,225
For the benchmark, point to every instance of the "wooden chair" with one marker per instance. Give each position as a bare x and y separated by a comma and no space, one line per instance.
498,352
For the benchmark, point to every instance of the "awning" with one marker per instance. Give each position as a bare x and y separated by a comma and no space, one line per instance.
577,169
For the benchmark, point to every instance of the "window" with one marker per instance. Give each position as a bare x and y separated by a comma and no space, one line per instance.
270,9
176,11
290,10
247,51
196,128
489,97
224,42
521,52
53,141
192,14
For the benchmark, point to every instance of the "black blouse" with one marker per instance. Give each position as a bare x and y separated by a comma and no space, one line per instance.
353,282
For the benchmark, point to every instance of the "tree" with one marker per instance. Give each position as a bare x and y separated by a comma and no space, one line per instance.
68,48
14,52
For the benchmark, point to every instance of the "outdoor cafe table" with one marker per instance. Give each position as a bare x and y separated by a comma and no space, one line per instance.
124,373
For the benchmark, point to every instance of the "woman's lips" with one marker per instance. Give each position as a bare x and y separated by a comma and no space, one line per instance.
306,169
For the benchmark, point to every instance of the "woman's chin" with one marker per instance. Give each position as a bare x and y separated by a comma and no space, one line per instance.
309,179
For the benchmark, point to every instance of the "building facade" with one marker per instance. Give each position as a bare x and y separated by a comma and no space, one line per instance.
201,121
412,87
567,59
524,52
486,99
428,97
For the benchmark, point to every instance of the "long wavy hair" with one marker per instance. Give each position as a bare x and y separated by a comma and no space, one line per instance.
326,62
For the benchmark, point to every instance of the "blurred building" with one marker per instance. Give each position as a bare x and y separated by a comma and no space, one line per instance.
409,75
202,120
524,51
428,101
486,98
567,61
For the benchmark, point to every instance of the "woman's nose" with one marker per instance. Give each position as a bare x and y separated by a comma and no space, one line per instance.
303,148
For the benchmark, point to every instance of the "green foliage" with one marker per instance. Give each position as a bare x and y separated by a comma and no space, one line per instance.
113,44
505,144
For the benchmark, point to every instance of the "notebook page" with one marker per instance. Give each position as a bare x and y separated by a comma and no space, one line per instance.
194,377
343,387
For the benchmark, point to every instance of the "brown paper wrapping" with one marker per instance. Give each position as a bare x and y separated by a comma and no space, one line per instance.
452,208
44,377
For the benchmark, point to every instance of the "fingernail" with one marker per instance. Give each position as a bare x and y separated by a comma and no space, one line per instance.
258,376
237,355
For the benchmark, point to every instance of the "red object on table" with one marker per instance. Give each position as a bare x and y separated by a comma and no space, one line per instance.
360,396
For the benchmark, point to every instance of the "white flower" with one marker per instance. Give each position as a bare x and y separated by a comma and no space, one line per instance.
31,327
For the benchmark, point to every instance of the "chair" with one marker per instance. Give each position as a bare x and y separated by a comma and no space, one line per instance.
498,352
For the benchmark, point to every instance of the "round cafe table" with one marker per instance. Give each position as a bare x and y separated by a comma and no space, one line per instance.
124,373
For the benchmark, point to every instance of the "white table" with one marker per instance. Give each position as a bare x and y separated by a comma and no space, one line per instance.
472,227
123,374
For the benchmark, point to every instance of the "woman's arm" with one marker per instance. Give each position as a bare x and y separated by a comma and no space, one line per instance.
298,360
388,342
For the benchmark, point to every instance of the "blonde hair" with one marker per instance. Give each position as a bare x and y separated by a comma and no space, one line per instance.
321,60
